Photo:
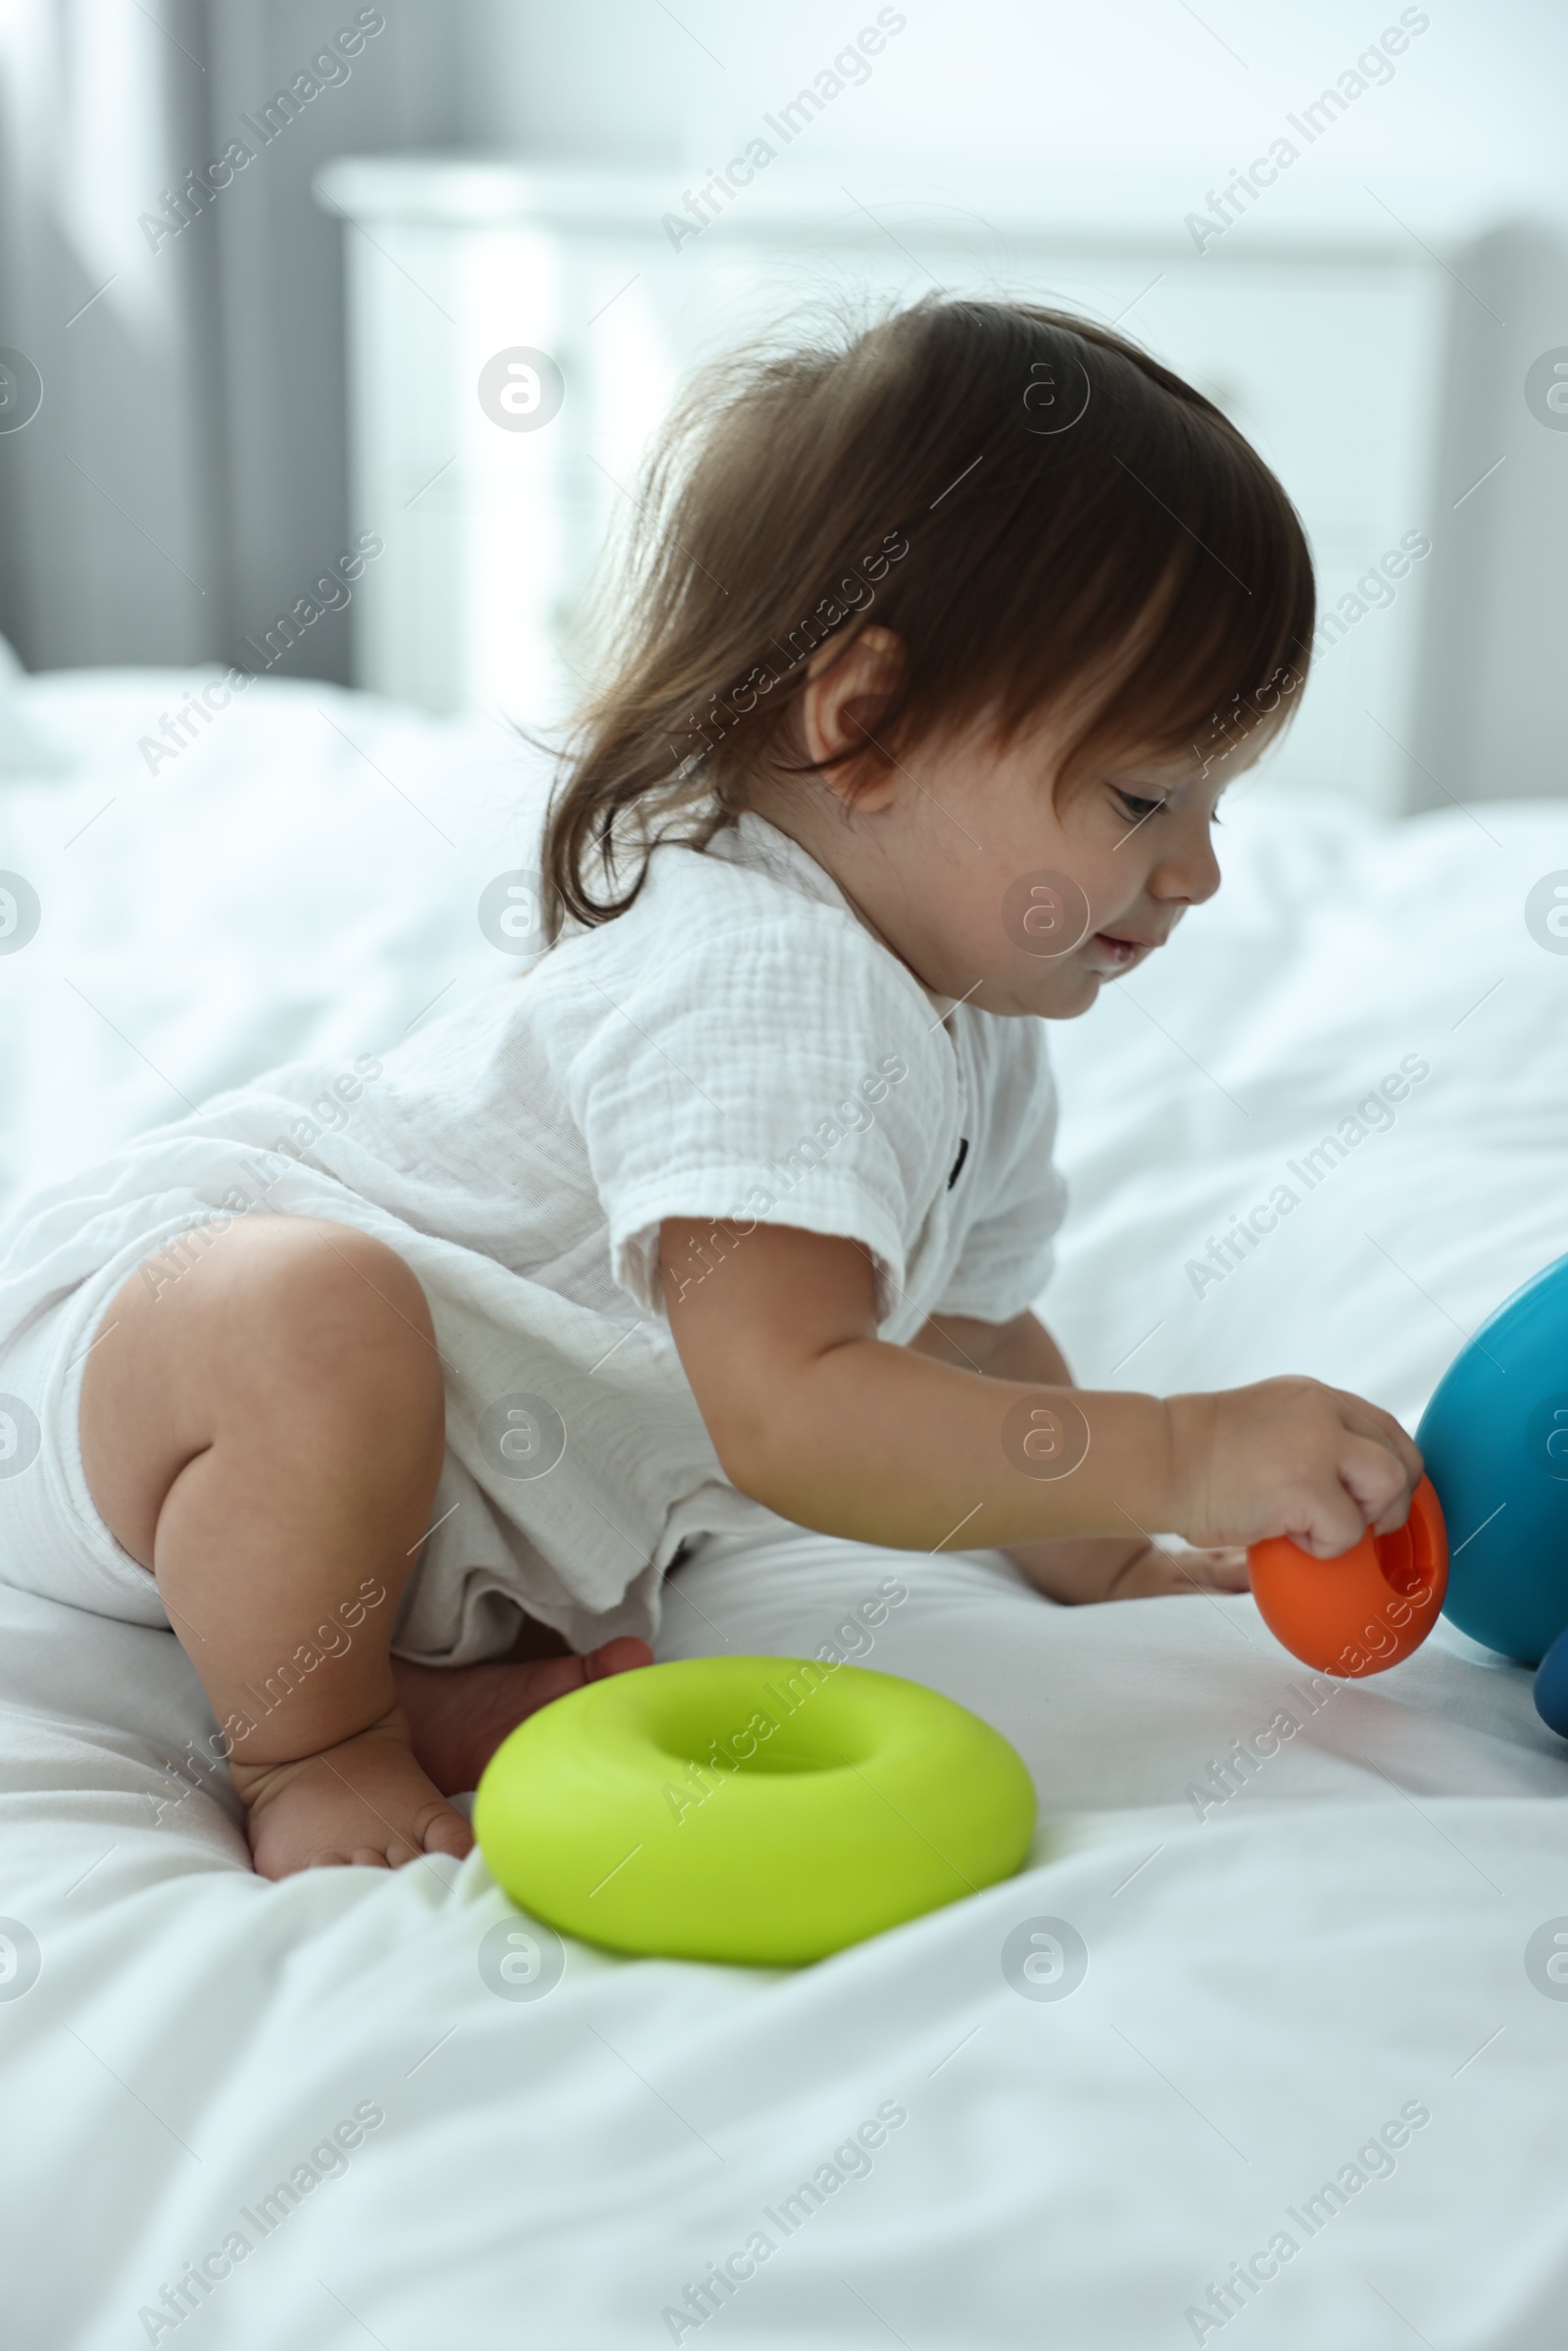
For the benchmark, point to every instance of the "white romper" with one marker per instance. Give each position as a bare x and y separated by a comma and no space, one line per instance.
738,1046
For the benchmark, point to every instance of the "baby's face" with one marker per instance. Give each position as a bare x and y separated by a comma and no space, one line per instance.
992,893
989,884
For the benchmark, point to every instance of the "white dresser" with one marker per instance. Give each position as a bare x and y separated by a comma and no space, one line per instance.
1332,356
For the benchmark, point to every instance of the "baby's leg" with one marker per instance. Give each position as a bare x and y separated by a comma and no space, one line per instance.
266,1435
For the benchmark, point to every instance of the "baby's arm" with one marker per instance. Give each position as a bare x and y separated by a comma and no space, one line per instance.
814,1416
1086,1567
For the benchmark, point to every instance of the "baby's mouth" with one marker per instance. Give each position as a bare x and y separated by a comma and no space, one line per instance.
1116,954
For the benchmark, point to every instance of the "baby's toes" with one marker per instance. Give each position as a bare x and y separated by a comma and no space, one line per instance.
434,1828
447,1831
378,1857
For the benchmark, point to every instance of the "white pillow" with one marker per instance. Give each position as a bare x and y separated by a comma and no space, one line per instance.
24,748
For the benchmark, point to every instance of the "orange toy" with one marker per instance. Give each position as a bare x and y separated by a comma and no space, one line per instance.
1365,1610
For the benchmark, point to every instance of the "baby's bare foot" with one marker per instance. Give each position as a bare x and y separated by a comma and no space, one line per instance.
364,1802
458,1715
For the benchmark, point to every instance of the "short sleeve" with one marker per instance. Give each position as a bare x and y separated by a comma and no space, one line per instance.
1008,1252
777,1068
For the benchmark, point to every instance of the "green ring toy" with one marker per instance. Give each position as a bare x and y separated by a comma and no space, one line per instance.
762,1810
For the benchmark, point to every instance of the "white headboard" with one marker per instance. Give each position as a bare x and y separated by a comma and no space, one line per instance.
1331,354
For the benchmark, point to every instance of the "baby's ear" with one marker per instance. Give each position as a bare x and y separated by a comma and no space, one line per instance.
841,713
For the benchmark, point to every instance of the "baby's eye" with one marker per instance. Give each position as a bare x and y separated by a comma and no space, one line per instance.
1136,805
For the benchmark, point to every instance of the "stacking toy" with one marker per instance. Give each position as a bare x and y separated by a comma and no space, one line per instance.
1495,1438
1368,1608
754,1809
1551,1686
1494,1442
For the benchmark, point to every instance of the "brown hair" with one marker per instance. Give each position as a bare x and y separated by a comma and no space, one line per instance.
1033,504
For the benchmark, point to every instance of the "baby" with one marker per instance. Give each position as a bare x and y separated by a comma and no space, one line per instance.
396,1391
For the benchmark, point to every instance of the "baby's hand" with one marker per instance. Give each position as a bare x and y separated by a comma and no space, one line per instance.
1289,1457
1125,1567
1156,1569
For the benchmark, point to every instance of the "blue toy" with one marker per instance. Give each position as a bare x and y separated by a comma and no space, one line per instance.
1495,1440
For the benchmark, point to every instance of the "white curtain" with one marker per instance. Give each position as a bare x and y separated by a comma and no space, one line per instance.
166,272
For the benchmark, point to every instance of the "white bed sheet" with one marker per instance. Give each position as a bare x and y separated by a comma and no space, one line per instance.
1266,1985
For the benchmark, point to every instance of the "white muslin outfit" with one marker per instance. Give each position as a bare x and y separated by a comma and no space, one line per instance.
739,1045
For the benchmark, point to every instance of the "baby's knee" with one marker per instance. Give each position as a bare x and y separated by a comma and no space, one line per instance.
327,1301
293,1324
283,1331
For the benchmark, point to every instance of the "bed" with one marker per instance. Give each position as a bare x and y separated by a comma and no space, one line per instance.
1288,2065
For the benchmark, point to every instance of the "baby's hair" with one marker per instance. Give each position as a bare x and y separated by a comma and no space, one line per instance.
1037,509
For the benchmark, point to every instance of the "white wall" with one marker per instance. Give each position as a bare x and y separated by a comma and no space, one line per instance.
1472,121
1143,107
